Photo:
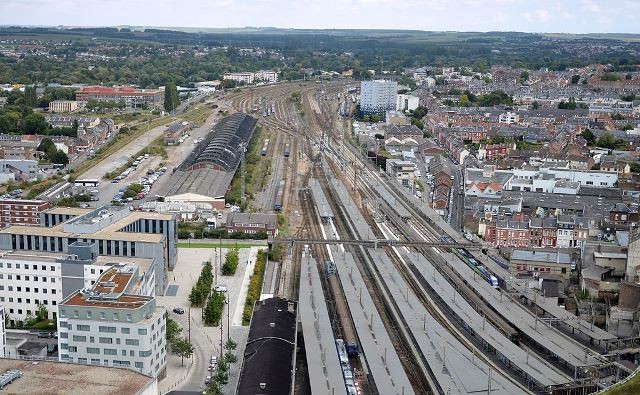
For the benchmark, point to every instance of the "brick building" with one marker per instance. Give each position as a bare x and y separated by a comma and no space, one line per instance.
21,212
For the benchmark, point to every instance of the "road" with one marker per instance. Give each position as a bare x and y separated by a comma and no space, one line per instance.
176,154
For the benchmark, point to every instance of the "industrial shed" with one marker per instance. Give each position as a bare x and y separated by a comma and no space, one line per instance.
205,175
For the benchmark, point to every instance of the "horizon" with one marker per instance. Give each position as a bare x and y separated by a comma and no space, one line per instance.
543,16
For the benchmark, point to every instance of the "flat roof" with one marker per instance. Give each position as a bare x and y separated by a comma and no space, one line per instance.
610,255
52,257
109,232
69,210
125,301
66,378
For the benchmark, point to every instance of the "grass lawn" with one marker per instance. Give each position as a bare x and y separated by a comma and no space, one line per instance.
630,387
200,244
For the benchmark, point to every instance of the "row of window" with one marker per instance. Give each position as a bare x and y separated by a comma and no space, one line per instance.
28,289
25,266
96,361
89,315
102,329
29,312
108,351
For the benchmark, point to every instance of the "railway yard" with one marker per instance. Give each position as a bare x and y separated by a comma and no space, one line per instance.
392,299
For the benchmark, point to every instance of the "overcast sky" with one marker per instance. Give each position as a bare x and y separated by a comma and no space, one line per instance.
566,16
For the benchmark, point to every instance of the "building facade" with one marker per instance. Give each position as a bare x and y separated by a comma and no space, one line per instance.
30,279
378,96
252,223
21,212
116,231
63,106
133,97
106,325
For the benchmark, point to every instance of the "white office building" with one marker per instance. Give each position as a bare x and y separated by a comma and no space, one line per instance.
378,96
32,278
407,102
3,333
117,232
266,76
110,325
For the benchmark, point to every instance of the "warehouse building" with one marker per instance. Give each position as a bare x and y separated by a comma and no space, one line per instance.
206,174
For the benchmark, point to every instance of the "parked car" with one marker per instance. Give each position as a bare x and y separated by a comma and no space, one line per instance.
178,310
45,335
220,288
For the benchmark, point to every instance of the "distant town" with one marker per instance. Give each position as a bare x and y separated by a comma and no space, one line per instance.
265,226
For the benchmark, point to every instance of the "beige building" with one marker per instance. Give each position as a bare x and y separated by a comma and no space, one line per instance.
63,106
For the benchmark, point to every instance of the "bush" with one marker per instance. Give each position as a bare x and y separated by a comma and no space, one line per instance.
202,287
255,287
230,263
214,308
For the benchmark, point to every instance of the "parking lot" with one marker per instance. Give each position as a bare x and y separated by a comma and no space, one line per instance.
206,340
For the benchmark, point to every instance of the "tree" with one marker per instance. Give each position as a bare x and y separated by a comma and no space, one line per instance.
42,313
464,101
183,348
213,310
575,79
34,124
45,145
588,136
535,105
75,126
230,263
173,331
230,344
606,141
171,98
524,76
30,96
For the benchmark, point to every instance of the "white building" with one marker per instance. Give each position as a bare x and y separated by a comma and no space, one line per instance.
559,180
378,96
403,171
32,278
250,78
266,75
407,102
109,325
509,118
247,78
3,333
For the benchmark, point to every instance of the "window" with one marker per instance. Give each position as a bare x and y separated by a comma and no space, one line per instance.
93,350
142,331
106,340
110,351
115,317
107,329
132,342
102,315
95,361
74,349
139,365
144,353
85,328
125,330
128,317
77,338
89,314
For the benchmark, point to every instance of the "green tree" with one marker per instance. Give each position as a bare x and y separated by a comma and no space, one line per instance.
171,98
589,136
230,263
183,348
230,344
173,331
42,313
213,310
30,96
464,101
575,79
606,141
535,105
524,76
34,124
46,144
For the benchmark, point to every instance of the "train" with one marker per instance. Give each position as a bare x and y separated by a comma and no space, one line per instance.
277,205
347,372
350,341
286,150
476,266
265,146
